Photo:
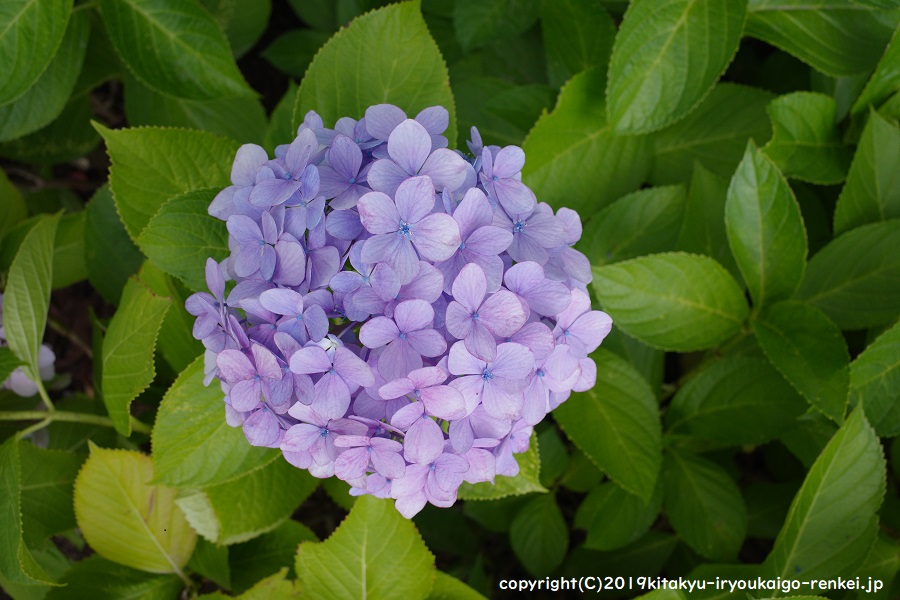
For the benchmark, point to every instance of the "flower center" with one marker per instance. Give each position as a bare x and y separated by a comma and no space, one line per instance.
486,375
462,246
402,336
404,229
540,373
518,226
476,316
353,180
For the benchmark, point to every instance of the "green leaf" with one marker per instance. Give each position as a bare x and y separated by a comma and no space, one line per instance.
47,489
241,118
525,482
211,561
190,421
294,50
832,521
374,553
32,32
45,100
703,224
447,587
648,361
279,129
27,296
175,160
765,229
243,21
13,203
8,363
872,192
539,535
714,134
855,279
407,70
68,251
67,138
249,506
110,255
502,111
736,400
875,379
574,158
480,22
882,563
577,35
182,235
262,556
616,423
836,38
806,144
614,518
809,350
704,506
128,350
17,564
95,577
127,520
176,343
174,47
884,81
643,222
667,57
672,301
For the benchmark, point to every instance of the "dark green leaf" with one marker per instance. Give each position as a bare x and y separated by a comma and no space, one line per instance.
885,80
855,279
809,350
211,561
32,32
617,425
647,360
262,556
667,57
767,507
68,251
872,192
110,255
182,235
765,229
539,535
279,129
479,22
68,137
14,205
502,111
574,158
832,521
47,490
643,222
714,134
174,47
837,38
191,420
577,34
805,142
736,400
8,363
101,579
553,454
176,343
243,21
128,350
875,379
374,553
614,518
704,506
673,301
338,84
45,100
175,160
293,51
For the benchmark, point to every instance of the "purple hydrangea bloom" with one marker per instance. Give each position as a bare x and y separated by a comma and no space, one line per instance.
403,344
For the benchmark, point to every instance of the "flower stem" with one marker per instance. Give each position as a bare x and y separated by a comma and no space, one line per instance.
70,417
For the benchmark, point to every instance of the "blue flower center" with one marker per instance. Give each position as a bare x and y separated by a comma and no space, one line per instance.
299,317
566,332
540,373
404,229
262,243
518,226
495,178
331,371
417,393
365,279
462,246
402,336
486,375
353,180
256,377
476,316
324,432
431,467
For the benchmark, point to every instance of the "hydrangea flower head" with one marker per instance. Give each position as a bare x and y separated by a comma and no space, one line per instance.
401,315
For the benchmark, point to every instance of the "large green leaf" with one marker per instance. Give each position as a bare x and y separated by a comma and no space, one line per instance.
175,160
110,255
806,144
765,229
31,33
174,47
539,535
577,35
616,423
190,421
127,520
502,111
27,296
128,350
875,379
615,518
68,250
407,69
47,489
574,158
176,342
714,134
14,206
96,577
836,37
45,100
667,57
182,235
643,222
736,400
374,553
294,50
872,192
447,587
704,506
251,561
855,279
243,21
67,138
832,521
809,350
672,301
526,481
884,81
480,22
